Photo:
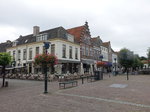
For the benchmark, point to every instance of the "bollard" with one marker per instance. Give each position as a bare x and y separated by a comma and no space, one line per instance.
6,84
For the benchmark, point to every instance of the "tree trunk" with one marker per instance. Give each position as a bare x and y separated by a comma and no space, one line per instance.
3,72
127,74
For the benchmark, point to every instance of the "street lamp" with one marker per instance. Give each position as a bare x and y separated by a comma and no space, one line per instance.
101,58
46,45
19,62
13,65
115,65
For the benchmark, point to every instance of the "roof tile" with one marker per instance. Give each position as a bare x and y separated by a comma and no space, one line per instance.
77,32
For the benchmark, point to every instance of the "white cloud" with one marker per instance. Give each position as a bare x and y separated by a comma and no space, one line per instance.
11,33
123,22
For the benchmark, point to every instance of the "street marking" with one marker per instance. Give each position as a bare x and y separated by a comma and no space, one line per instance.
118,85
106,100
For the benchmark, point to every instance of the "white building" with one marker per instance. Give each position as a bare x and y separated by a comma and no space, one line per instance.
25,48
104,52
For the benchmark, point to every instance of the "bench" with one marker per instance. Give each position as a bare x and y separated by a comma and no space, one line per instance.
91,78
63,84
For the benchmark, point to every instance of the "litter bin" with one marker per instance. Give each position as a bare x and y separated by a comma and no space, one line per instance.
101,75
6,84
97,75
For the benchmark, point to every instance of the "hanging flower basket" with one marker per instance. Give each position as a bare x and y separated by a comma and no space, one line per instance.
101,64
48,59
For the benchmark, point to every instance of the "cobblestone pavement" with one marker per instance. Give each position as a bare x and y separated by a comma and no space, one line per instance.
99,96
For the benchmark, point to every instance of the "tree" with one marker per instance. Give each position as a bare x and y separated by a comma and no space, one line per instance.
148,56
136,62
125,58
5,59
142,58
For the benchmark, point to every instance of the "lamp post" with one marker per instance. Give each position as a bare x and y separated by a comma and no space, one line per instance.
19,62
46,46
13,65
101,58
115,65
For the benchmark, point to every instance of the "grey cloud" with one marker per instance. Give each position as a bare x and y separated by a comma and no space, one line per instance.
123,22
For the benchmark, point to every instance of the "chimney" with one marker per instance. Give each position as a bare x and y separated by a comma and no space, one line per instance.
36,30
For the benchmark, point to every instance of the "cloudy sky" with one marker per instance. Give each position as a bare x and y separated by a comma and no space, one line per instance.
123,22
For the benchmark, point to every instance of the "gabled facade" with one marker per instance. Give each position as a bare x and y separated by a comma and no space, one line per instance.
104,52
97,42
108,46
83,37
114,57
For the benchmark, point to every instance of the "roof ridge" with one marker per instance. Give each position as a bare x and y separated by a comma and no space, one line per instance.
76,27
43,31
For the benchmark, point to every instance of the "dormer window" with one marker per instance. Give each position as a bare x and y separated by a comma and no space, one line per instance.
41,37
70,37
26,41
15,43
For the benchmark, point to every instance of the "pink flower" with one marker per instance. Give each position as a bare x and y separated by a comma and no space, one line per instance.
45,58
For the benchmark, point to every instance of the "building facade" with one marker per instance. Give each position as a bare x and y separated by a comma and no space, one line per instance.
83,37
76,50
25,48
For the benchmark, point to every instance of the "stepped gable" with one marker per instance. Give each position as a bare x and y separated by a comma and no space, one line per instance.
96,41
106,44
80,31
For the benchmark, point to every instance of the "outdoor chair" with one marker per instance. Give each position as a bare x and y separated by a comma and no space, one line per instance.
51,78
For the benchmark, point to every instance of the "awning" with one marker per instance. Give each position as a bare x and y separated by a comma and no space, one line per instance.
19,67
67,61
87,61
11,68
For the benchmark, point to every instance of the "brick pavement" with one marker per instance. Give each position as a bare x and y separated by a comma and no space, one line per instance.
27,96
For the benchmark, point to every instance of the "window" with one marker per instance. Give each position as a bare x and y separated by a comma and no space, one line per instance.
64,51
53,49
91,52
70,37
94,53
19,54
97,55
83,50
41,37
76,53
70,51
14,53
30,53
37,50
24,54
15,43
86,51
